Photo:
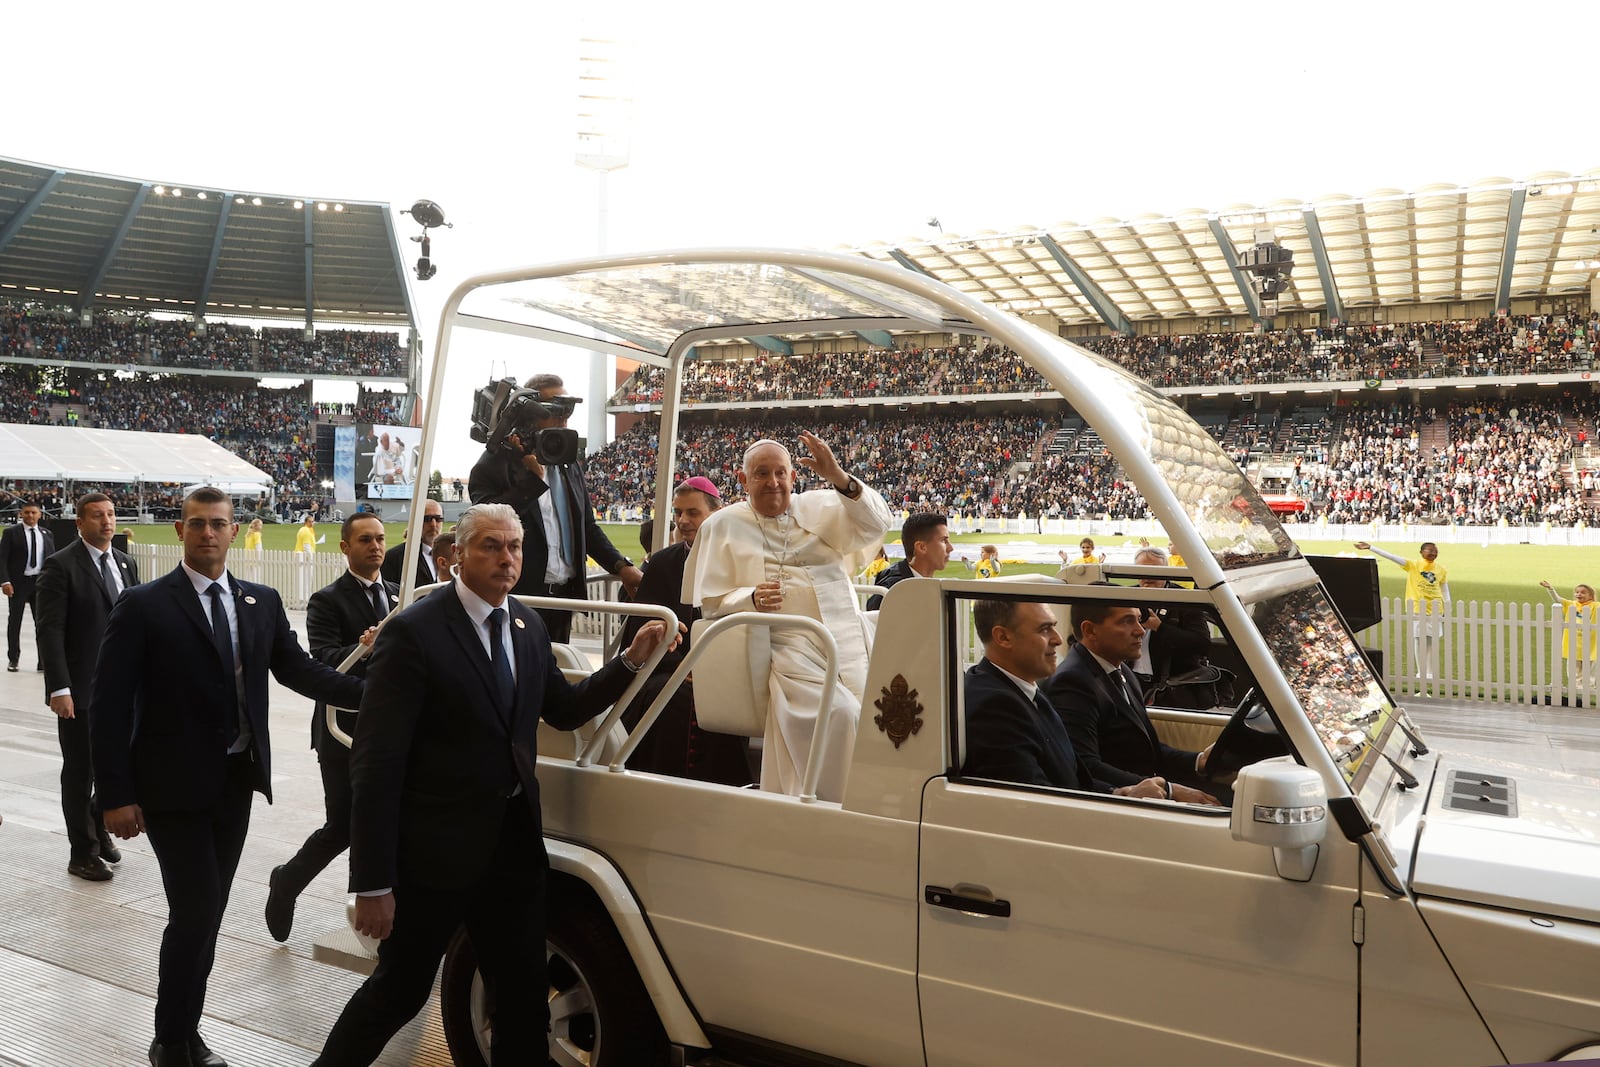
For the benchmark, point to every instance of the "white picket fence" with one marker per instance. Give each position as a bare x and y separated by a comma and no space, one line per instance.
1486,652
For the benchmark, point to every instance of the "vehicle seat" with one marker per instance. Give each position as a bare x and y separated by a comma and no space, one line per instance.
735,667
566,744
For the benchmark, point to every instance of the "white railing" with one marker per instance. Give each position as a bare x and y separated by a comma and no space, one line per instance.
1490,652
296,575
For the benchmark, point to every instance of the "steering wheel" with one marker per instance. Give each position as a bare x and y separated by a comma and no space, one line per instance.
1251,735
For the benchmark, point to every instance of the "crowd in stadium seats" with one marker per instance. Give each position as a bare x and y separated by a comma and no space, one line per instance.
1497,464
1509,463
1475,347
137,341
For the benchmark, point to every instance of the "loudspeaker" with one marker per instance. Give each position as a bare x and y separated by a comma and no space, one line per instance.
1352,583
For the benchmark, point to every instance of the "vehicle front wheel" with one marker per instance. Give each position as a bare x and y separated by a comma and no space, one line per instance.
600,1012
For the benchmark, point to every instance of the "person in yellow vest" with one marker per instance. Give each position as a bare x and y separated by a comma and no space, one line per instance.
988,562
1087,554
1581,610
879,564
305,538
252,537
1427,594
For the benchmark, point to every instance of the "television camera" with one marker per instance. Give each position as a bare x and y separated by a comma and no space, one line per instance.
505,417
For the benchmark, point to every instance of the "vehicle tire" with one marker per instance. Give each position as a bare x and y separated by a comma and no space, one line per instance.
600,1012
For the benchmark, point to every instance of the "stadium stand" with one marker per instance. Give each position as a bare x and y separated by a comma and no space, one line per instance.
140,341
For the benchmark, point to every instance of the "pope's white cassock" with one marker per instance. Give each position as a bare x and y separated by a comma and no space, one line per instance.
815,547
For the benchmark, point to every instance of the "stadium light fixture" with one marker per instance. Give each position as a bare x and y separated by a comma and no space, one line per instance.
322,206
177,192
255,201
299,205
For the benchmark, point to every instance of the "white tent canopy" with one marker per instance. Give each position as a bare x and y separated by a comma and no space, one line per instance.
66,453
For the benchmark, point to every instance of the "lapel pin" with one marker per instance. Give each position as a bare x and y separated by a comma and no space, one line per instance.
249,600
520,624
393,599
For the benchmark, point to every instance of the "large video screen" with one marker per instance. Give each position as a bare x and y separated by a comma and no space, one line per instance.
385,461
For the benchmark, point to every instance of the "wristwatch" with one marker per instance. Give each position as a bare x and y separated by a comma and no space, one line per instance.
622,563
851,490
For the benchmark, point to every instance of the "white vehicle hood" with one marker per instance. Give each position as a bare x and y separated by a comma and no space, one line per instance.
1542,855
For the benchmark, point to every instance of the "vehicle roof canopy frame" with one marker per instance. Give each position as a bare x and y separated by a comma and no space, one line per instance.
1131,417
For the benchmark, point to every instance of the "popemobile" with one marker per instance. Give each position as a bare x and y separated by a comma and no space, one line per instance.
1367,900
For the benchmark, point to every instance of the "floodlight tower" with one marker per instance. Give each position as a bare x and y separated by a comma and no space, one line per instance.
605,112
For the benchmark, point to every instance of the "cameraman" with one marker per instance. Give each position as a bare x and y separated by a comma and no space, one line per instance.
559,531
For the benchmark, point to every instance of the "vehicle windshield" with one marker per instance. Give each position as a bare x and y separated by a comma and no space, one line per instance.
1333,680
1232,519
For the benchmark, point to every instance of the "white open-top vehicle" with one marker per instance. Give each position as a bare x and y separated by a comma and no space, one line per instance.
1367,901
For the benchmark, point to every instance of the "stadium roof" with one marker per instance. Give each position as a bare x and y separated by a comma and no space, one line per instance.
93,240
1496,239
57,453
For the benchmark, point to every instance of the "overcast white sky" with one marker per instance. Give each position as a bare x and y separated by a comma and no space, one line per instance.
815,124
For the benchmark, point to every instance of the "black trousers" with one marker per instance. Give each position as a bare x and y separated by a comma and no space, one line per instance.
504,916
79,806
21,599
198,852
333,836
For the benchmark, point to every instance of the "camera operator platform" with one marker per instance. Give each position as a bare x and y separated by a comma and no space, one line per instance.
531,462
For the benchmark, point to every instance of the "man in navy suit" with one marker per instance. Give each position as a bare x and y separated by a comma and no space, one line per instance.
179,736
76,590
1102,705
1013,734
445,822
341,616
23,550
394,560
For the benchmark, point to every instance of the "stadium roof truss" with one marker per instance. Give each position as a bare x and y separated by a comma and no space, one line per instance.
1496,239
95,241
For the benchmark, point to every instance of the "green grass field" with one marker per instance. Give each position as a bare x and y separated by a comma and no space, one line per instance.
1499,572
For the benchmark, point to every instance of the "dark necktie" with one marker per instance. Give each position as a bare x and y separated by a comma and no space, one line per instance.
499,665
33,547
1120,685
222,638
107,577
563,506
380,604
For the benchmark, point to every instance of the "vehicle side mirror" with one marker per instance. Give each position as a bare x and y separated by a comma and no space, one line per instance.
1282,805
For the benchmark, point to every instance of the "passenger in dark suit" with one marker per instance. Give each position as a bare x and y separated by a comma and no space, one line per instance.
509,477
1013,735
1102,705
926,539
179,736
445,825
340,617
76,590
394,559
675,744
23,550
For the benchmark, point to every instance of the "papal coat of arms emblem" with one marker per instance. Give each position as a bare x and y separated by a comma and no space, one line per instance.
902,715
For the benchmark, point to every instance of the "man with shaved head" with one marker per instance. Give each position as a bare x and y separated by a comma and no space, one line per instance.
794,553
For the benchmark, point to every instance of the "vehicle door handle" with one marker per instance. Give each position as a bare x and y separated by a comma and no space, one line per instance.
988,906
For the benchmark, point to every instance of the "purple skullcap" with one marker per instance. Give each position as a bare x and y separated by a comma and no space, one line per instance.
701,483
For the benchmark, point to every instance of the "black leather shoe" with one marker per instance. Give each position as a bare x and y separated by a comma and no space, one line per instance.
173,1055
280,907
201,1056
12,667
109,850
92,869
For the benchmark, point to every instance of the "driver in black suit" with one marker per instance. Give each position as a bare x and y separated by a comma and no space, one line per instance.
445,825
1013,734
1102,705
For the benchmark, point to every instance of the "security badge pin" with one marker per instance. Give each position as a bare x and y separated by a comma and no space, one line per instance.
249,600
520,624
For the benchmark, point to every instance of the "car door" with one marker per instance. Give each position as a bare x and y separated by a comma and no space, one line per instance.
1065,927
